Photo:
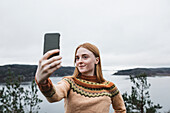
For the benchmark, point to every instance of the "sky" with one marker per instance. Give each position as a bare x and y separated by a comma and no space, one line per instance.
128,33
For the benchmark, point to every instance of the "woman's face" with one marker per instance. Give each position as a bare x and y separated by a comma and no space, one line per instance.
85,61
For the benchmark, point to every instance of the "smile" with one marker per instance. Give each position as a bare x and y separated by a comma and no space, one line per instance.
82,66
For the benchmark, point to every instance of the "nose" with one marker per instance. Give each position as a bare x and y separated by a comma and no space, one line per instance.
79,61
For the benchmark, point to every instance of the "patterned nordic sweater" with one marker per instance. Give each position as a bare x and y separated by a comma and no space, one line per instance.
84,95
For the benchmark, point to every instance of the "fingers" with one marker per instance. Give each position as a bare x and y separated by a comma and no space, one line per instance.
53,59
47,66
49,53
49,61
50,71
55,63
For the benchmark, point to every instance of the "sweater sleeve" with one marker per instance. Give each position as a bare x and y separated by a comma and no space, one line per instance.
118,104
52,92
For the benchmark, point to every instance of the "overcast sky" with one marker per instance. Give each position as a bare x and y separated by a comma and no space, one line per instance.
128,33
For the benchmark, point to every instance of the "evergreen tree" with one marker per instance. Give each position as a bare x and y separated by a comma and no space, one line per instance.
15,99
139,100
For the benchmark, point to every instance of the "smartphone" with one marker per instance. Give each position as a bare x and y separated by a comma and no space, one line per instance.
51,41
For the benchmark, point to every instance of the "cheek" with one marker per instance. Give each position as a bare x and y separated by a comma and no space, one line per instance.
90,63
76,63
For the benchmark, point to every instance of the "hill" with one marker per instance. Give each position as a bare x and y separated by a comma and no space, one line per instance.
28,71
148,71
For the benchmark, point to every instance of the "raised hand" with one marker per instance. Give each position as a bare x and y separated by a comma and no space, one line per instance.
47,66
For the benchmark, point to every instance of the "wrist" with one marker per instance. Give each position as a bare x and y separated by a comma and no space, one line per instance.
40,82
43,82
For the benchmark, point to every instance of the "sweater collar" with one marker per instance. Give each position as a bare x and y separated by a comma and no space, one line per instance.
88,78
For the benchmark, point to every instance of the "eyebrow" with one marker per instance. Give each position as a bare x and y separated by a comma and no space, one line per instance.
82,55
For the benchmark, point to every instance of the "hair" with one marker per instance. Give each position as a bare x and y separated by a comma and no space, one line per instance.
98,68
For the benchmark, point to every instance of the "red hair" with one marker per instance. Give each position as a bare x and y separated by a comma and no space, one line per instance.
98,68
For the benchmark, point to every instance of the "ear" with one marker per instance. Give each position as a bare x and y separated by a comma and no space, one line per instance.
97,60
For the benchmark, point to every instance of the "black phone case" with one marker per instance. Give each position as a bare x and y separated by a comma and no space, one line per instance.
51,41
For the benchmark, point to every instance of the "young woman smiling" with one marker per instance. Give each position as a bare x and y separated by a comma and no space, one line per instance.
86,91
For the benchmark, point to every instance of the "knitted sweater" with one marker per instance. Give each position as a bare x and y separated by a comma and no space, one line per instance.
84,95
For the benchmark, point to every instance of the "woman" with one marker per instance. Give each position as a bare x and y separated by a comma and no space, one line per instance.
84,92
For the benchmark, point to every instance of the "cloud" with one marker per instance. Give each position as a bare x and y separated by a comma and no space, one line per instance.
126,32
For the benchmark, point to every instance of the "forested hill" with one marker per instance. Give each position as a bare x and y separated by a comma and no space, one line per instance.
148,71
28,71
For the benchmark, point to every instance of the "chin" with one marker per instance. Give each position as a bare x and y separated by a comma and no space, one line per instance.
82,71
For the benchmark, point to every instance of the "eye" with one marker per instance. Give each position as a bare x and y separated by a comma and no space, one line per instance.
77,58
85,56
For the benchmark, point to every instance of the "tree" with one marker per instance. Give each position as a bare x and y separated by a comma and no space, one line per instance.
139,100
31,98
15,99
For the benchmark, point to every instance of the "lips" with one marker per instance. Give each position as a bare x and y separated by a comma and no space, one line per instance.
82,66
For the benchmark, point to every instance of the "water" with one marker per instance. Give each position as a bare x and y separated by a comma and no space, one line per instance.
159,92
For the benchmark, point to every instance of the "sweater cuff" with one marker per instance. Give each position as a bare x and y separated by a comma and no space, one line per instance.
47,88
